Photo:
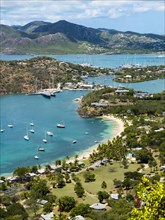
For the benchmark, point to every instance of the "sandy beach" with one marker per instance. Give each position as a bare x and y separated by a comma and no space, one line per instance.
117,130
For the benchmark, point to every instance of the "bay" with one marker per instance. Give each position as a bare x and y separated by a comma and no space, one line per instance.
20,110
46,113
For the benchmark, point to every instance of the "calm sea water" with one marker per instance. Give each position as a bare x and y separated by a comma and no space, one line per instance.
110,61
46,113
152,86
20,110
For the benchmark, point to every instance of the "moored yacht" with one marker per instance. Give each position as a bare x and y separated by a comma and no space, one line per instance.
49,133
31,123
45,140
32,130
26,137
41,149
46,93
60,126
2,130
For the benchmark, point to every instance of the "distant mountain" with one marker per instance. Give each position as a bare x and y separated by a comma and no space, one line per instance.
64,37
31,26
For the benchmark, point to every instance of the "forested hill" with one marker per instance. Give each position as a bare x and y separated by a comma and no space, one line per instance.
26,76
64,37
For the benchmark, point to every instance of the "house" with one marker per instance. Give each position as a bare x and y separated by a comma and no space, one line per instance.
141,95
80,163
121,91
86,86
48,216
160,129
31,174
54,167
99,206
114,196
1,181
162,168
128,76
42,202
70,85
41,171
78,217
98,105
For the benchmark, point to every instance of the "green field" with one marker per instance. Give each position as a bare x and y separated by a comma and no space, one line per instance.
107,173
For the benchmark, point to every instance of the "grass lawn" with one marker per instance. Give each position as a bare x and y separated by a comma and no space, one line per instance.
68,190
106,173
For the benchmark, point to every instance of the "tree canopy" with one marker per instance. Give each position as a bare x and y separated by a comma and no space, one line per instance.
152,197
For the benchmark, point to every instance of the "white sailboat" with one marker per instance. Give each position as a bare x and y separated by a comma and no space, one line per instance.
49,133
45,140
2,130
26,137
32,130
31,123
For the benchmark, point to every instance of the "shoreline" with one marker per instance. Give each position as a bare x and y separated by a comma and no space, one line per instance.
115,132
84,155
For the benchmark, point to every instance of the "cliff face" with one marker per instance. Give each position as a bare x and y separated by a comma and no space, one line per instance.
44,37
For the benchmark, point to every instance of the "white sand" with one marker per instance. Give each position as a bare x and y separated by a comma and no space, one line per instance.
117,130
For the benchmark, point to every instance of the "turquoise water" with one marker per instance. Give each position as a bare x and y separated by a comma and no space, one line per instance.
45,113
111,61
152,86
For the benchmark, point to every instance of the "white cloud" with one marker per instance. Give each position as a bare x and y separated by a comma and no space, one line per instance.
143,6
23,11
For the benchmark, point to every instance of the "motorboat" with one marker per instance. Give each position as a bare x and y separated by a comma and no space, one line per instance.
60,126
41,149
36,157
74,141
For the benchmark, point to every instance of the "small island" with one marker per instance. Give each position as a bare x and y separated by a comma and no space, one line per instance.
138,73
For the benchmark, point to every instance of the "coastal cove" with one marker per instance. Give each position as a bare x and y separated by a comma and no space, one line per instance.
45,113
20,110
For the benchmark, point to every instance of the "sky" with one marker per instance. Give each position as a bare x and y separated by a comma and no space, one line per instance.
143,16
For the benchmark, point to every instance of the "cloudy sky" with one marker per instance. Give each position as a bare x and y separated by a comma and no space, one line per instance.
144,16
